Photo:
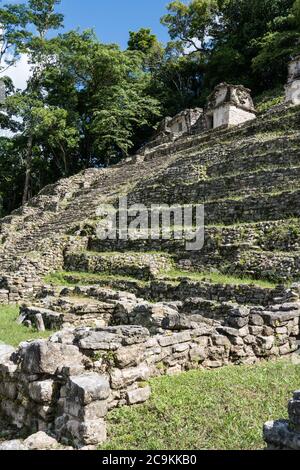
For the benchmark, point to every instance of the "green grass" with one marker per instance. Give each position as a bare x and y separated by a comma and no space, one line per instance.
269,99
218,278
65,278
12,333
222,409
71,278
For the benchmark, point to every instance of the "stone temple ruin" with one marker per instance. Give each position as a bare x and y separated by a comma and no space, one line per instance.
228,105
122,311
182,123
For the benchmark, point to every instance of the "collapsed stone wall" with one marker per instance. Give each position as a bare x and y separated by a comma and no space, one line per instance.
66,385
162,290
142,265
23,277
277,235
95,306
285,434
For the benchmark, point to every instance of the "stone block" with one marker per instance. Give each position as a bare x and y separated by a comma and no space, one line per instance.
129,356
5,352
265,342
87,388
174,339
41,441
93,432
181,348
41,392
13,445
174,370
95,410
256,320
279,435
140,395
45,357
86,433
125,377
233,332
99,341
198,353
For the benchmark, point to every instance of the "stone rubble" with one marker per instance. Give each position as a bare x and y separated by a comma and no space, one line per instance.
285,434
112,337
66,385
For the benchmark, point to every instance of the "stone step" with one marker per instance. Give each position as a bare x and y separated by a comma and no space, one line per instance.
177,289
273,206
171,190
277,205
281,235
139,265
244,263
286,157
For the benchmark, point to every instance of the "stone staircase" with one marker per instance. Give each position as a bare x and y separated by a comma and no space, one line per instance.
247,178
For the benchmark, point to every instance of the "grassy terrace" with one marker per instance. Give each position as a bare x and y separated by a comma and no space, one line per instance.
12,333
72,278
68,278
222,409
218,278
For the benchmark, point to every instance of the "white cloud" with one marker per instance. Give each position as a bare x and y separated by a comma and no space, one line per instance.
20,72
190,48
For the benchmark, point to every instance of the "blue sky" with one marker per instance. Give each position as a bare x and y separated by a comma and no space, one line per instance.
112,19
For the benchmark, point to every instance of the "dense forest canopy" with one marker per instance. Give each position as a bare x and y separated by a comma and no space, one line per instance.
91,104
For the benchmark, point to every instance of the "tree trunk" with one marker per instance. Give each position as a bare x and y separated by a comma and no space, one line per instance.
65,162
28,169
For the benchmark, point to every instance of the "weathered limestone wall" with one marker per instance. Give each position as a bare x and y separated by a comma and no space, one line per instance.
25,276
184,121
66,385
285,434
229,105
229,115
178,291
141,266
238,116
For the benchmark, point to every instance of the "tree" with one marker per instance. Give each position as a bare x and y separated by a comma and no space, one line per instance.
13,34
11,175
42,16
192,23
237,38
147,44
277,46
178,82
142,40
296,12
114,92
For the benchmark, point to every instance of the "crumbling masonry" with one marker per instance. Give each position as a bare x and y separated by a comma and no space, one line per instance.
141,308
